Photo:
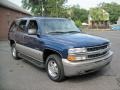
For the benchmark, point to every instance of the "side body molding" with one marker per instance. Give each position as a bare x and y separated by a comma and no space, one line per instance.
33,53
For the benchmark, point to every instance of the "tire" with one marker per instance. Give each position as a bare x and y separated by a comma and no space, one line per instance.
57,72
14,52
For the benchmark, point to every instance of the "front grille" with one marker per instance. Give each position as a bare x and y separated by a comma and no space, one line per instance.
97,55
97,51
89,49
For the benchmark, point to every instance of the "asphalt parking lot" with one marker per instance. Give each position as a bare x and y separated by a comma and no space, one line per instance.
21,75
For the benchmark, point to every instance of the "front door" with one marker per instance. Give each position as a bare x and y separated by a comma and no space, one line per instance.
33,43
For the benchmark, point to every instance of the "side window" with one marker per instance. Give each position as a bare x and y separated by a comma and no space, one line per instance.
33,25
22,25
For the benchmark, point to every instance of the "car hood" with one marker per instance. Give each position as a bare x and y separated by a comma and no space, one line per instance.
77,40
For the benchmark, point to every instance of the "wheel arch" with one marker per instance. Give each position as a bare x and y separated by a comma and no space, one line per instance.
12,42
48,52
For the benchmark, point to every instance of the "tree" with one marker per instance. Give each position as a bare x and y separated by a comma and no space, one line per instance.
113,9
44,7
78,23
79,14
98,14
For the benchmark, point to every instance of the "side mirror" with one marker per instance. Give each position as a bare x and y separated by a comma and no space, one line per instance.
32,31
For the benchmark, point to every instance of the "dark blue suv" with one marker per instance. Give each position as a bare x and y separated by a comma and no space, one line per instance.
57,45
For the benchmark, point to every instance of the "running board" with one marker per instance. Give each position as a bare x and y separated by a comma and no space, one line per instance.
33,61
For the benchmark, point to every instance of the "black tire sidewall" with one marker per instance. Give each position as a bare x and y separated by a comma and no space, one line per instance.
58,61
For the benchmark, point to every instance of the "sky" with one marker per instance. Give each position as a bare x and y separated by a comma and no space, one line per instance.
83,3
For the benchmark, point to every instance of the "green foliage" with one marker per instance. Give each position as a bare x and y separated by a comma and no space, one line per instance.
78,23
98,14
113,9
44,7
56,8
79,14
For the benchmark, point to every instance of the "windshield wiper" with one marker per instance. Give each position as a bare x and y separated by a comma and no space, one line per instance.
73,32
56,32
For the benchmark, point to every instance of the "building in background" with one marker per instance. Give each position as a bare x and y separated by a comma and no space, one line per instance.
8,13
98,18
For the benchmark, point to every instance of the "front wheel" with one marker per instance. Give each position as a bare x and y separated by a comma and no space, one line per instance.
54,68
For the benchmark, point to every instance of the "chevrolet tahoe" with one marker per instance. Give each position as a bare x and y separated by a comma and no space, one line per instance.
57,45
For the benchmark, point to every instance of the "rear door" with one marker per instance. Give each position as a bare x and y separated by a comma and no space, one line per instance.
19,35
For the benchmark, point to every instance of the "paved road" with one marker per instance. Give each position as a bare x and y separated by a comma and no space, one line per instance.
21,75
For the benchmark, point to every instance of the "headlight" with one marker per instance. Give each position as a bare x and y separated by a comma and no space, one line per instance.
76,50
75,54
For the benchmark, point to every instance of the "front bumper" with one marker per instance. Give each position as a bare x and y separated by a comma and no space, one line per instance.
84,67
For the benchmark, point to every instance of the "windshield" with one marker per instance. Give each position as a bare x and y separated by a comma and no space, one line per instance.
55,26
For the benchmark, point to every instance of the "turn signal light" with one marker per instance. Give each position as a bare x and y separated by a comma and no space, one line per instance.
71,57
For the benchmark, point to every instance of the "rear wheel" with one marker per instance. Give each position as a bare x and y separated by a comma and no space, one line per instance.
14,52
54,68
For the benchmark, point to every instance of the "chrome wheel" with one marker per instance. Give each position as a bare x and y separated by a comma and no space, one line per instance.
52,68
14,52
